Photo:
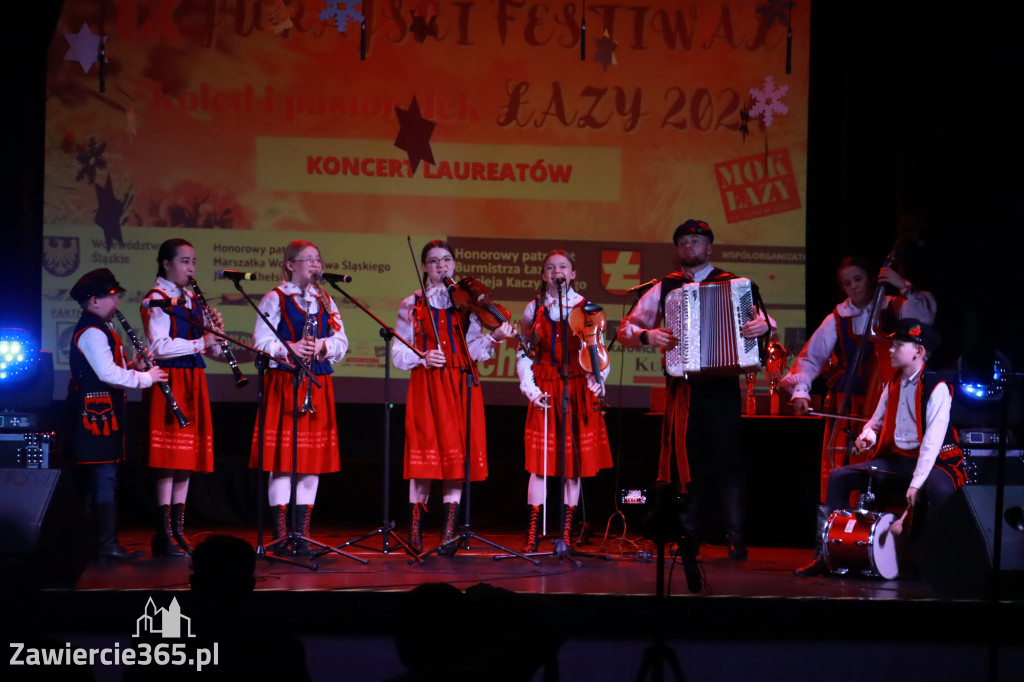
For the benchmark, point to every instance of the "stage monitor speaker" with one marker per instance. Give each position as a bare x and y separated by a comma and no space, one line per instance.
38,512
956,556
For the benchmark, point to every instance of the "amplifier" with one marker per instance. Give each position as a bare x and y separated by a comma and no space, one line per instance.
25,450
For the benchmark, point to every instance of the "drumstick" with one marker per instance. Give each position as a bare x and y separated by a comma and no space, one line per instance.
897,526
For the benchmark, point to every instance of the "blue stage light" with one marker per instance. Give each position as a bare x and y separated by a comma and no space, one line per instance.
19,355
987,381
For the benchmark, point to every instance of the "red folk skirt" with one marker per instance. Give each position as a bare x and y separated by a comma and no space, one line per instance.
317,431
586,441
171,447
435,427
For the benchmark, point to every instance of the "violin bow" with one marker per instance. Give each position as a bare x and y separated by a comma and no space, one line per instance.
416,269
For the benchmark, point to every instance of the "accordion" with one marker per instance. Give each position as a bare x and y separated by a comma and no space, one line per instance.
706,318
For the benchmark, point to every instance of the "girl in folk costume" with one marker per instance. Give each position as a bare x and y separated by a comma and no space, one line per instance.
835,342
586,440
289,307
435,418
177,345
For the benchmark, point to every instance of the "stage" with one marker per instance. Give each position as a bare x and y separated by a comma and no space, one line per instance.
751,620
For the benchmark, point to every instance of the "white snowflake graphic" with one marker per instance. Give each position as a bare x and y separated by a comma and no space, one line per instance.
341,12
768,101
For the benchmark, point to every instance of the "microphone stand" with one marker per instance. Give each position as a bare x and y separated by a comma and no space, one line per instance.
463,537
387,528
298,368
561,550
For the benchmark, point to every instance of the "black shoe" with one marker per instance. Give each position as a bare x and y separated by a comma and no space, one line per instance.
163,543
737,548
451,512
112,550
815,568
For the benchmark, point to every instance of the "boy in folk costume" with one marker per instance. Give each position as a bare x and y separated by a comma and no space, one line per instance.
100,374
916,444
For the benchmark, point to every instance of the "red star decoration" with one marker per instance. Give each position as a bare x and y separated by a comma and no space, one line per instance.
605,54
420,29
109,210
414,134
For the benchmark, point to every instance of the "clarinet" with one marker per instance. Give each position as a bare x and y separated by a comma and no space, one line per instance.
240,379
144,354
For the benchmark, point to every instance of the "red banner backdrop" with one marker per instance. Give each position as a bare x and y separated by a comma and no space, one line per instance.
500,125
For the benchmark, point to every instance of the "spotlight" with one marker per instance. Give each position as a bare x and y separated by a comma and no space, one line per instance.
18,356
26,375
984,378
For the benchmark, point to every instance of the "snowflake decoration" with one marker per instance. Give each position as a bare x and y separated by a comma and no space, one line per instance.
90,159
775,12
768,101
341,12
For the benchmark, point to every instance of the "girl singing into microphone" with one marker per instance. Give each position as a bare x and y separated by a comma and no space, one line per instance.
177,346
435,417
289,307
586,440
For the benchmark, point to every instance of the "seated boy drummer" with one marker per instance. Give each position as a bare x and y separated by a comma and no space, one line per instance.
910,427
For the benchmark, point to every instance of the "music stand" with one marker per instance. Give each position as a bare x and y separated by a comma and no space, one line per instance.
387,528
298,367
463,537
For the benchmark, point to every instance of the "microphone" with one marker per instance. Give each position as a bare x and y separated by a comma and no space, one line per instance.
449,284
234,275
789,50
332,278
641,289
163,302
560,282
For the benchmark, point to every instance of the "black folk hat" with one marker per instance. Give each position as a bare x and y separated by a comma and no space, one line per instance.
99,282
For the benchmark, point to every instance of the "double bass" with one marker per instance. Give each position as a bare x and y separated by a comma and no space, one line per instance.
871,369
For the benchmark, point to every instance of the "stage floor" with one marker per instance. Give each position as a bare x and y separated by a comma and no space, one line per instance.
752,620
606,567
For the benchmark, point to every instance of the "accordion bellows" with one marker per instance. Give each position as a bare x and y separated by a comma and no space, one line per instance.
706,318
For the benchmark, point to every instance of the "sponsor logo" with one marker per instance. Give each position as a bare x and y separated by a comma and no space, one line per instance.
620,270
61,255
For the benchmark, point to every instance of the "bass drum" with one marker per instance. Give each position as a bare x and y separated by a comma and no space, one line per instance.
860,541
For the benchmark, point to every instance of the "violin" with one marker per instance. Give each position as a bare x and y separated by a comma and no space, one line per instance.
587,322
471,294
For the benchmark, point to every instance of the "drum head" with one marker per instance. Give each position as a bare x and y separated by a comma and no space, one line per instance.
883,548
